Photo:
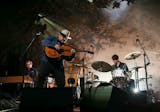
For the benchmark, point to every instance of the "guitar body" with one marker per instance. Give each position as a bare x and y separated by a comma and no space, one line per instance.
51,53
65,52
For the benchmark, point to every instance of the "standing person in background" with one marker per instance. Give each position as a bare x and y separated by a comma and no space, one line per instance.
52,61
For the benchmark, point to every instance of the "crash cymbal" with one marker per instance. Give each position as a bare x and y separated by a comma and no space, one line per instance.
101,66
132,55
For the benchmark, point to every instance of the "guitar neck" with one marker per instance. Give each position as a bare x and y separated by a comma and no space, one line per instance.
90,52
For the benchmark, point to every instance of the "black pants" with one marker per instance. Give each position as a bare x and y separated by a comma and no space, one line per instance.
47,68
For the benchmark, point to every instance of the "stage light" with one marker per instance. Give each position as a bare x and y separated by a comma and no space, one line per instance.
135,90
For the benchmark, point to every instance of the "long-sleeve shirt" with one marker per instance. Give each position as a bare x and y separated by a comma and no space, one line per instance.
50,41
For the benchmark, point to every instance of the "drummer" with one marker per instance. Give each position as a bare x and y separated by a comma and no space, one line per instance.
118,65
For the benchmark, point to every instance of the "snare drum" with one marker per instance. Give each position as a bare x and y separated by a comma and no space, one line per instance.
118,73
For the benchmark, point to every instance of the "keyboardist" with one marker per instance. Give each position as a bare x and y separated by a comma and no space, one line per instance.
31,72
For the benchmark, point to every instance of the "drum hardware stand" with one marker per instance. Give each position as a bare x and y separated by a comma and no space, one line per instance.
145,67
78,88
146,63
83,72
136,76
82,81
146,58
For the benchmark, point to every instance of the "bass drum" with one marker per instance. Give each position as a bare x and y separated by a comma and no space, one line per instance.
119,82
102,99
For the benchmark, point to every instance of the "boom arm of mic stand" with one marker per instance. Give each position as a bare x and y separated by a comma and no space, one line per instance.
29,45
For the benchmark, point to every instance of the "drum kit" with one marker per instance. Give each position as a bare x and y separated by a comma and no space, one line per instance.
118,78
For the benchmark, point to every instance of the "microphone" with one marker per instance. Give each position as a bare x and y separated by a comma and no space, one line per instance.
37,35
40,15
148,62
137,40
92,46
90,52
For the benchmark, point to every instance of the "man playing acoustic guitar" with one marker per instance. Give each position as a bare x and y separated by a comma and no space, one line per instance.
55,52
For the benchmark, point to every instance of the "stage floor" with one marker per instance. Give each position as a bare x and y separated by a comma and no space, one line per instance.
136,103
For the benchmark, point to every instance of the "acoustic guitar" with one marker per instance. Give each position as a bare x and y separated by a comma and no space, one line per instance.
65,51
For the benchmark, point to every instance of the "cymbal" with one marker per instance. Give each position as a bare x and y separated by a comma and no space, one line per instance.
132,55
101,66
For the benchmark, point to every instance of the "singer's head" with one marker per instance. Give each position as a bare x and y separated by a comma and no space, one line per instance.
64,35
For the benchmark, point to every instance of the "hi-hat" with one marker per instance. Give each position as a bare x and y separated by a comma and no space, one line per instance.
101,66
132,55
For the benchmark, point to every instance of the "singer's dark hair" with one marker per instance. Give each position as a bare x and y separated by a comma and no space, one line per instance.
115,57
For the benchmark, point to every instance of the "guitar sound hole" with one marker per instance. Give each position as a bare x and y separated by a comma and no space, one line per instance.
71,81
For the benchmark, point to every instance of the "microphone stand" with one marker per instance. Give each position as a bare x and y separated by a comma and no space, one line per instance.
25,51
145,62
83,79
